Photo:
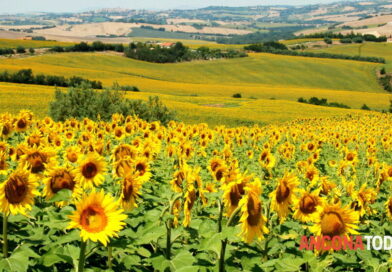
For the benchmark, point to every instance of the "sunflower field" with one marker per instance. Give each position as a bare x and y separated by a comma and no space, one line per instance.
128,195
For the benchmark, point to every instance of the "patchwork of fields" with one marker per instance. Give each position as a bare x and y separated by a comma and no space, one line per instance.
201,91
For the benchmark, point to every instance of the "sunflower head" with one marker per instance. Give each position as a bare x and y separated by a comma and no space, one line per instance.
18,191
98,216
90,171
130,190
335,220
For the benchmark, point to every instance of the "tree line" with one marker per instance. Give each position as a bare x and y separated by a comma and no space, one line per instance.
26,76
281,49
177,53
345,37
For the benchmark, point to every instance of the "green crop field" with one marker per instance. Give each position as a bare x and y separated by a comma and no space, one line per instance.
383,50
8,43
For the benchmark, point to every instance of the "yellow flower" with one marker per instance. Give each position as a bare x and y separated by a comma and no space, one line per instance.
98,216
59,178
252,220
17,192
284,195
335,220
189,202
388,206
130,190
307,206
90,171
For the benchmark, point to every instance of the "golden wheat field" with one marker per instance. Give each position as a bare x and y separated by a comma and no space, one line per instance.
126,194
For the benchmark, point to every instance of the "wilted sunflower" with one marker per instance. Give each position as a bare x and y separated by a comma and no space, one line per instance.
59,178
3,162
142,169
233,192
17,192
38,159
90,171
252,220
130,190
98,216
307,206
388,206
335,220
177,183
189,202
362,198
284,195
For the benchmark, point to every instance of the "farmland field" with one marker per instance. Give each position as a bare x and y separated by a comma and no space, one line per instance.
8,43
266,82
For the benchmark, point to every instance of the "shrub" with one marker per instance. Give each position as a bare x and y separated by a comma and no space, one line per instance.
20,50
365,107
382,71
237,95
302,100
328,40
31,50
82,101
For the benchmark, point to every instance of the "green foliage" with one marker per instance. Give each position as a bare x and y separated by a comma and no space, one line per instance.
348,38
365,107
20,50
176,53
82,101
32,50
26,76
322,102
328,40
267,46
237,95
386,82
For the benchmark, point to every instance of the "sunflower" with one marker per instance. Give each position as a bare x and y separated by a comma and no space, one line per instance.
130,190
6,129
3,162
21,124
267,160
252,220
17,192
363,198
72,153
284,195
233,192
307,206
179,177
90,171
98,216
388,206
59,178
190,198
334,220
38,159
142,169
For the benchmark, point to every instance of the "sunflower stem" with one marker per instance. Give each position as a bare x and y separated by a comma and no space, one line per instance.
109,257
220,216
5,238
224,241
168,240
82,256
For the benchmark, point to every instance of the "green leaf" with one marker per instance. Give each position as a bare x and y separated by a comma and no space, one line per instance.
62,195
130,260
289,264
182,259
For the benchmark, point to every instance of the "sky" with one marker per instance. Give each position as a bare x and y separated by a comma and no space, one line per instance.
20,6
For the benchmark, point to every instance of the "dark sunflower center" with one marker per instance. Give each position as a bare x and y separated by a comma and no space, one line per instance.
332,224
350,156
37,161
62,180
214,166
16,189
390,171
141,168
390,206
236,193
191,199
118,133
308,204
21,124
254,212
310,175
128,190
93,218
89,170
219,175
282,193
5,130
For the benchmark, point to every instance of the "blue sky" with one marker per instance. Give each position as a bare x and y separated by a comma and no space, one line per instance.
14,6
